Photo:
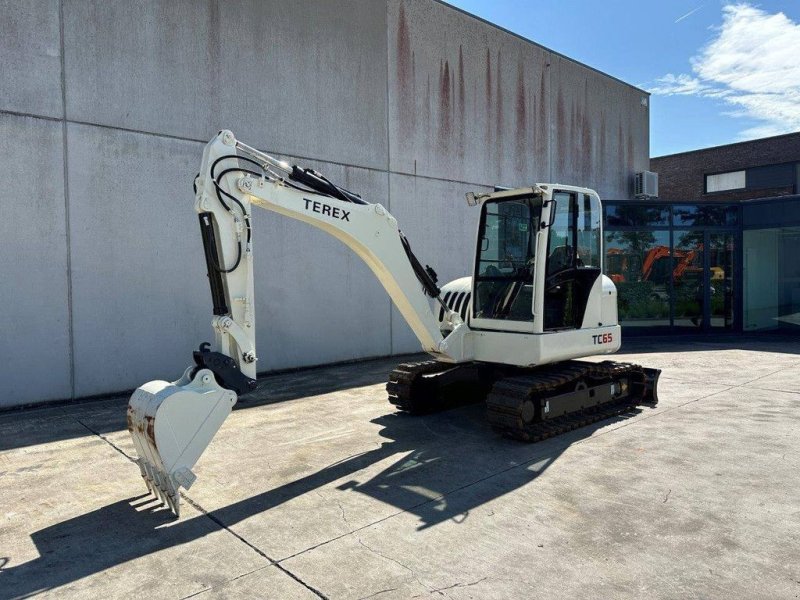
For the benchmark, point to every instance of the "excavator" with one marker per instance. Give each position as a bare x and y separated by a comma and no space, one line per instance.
537,300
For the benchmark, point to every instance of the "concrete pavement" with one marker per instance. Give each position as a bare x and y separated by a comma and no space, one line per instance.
315,488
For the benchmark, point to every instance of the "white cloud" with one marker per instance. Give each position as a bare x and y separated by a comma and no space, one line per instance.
752,64
682,85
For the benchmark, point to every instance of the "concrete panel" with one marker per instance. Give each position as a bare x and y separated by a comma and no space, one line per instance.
141,298
34,323
316,301
600,130
307,79
467,101
441,229
30,68
141,303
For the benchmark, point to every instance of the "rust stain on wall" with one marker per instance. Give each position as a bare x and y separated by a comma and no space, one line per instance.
561,133
428,123
629,159
405,75
520,111
586,150
603,144
462,102
499,110
214,50
445,105
541,125
488,97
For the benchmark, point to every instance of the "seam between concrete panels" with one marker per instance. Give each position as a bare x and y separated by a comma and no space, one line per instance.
388,158
65,157
269,150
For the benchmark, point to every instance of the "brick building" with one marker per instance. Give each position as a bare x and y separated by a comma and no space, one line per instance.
763,168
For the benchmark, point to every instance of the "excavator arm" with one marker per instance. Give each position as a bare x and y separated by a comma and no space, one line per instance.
172,423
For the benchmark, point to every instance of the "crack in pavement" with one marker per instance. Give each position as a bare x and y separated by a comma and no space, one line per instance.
194,594
344,516
255,548
397,562
457,585
378,593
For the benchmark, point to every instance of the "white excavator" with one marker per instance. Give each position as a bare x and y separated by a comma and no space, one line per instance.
537,300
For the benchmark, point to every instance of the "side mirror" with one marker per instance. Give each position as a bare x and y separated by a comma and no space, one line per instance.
471,199
553,207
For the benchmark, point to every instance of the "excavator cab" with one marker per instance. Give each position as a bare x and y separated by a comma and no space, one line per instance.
536,240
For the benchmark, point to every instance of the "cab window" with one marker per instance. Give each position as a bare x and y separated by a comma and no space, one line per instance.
573,261
506,256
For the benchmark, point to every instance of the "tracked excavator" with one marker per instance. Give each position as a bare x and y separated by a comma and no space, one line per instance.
537,300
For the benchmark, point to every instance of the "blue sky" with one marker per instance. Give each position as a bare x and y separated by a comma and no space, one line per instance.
720,71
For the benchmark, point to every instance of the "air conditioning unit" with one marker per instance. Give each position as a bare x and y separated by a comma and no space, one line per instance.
646,185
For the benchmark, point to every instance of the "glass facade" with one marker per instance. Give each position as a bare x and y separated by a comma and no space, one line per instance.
639,263
705,267
771,279
674,265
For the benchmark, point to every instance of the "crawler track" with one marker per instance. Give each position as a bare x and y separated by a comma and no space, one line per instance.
527,404
410,391
514,403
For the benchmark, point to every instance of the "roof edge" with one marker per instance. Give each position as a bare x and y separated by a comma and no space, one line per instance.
743,142
537,44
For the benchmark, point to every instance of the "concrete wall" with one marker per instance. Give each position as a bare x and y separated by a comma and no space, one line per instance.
104,110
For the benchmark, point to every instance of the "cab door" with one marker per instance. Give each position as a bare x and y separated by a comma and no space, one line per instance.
503,279
573,258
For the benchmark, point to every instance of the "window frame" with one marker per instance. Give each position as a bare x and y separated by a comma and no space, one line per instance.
726,190
493,324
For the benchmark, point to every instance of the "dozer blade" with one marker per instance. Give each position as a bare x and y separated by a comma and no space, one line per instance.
171,425
650,395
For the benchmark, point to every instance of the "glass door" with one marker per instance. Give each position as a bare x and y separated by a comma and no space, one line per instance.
688,283
702,279
720,280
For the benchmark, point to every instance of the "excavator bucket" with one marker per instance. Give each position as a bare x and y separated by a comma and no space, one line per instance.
171,424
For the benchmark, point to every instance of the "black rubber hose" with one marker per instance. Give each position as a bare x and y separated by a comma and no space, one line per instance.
428,284
322,185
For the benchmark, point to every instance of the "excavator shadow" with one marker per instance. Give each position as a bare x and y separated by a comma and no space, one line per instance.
441,468
461,464
778,343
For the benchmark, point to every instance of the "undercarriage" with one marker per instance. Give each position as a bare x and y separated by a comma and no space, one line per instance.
526,404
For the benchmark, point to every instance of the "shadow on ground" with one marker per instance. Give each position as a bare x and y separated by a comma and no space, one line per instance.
755,342
132,528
